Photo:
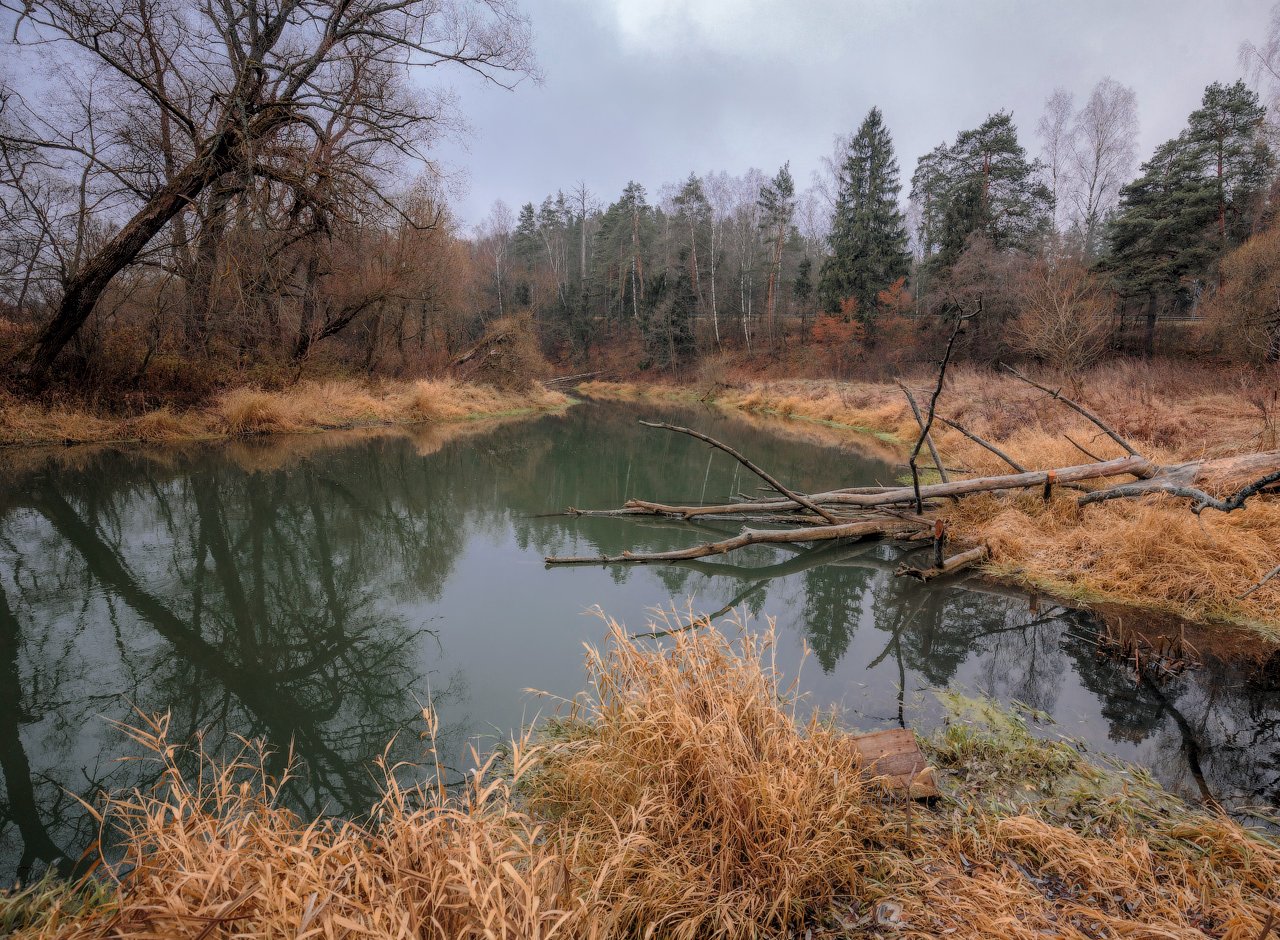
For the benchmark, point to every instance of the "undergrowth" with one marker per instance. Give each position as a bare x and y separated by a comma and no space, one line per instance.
682,796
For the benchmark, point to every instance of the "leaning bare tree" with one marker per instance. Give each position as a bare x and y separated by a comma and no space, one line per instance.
197,104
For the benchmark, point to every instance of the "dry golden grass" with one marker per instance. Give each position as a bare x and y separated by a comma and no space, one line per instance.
1153,552
682,798
308,406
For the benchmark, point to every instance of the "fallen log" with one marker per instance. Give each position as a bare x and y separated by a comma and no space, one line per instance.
896,495
1187,480
952,565
849,530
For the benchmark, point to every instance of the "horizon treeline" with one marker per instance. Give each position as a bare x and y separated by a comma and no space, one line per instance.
1072,253
244,193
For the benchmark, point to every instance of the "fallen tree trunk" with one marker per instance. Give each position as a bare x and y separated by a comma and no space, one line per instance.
952,565
1189,479
851,530
891,496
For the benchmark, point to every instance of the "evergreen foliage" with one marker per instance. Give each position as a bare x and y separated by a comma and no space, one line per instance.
868,239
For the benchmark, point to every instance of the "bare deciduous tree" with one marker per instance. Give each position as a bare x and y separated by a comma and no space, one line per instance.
1104,150
493,236
202,105
1055,135
1065,315
1089,154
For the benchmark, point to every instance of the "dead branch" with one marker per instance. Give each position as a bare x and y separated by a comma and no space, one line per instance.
933,406
1077,408
987,444
928,438
1080,447
569,379
1265,578
790,494
849,530
955,563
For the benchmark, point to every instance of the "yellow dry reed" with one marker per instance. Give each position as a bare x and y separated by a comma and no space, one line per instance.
680,798
307,406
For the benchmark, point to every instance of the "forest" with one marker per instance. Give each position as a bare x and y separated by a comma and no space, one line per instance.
224,200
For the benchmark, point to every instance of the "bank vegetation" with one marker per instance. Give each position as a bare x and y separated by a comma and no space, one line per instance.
1152,551
683,795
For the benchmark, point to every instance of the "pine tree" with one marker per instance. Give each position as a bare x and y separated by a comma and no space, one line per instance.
868,237
1195,199
983,185
1225,132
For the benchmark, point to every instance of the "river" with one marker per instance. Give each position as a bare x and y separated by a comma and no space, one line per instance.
319,589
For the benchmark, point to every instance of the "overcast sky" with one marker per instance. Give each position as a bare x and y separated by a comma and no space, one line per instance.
652,89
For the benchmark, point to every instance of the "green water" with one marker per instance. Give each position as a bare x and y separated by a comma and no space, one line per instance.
319,590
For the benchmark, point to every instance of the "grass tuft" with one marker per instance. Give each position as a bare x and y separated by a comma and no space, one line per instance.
682,796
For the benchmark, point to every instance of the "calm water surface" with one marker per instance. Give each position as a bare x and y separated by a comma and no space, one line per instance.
320,589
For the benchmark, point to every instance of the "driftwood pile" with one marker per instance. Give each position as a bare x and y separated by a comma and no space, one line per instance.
910,512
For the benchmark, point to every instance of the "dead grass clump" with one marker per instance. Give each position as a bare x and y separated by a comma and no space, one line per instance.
162,425
214,848
700,807
307,406
27,423
681,798
1153,552
251,411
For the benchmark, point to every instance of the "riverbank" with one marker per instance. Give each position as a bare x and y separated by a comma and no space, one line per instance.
305,407
681,796
1152,553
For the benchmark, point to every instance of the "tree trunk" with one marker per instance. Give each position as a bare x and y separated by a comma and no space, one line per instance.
1149,332
201,286
83,290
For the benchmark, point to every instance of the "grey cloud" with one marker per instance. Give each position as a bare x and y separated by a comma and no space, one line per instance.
652,90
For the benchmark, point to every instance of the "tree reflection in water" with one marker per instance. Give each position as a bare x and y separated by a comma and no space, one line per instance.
315,592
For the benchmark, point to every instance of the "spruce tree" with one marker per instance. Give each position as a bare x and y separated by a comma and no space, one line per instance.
667,326
777,205
868,237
